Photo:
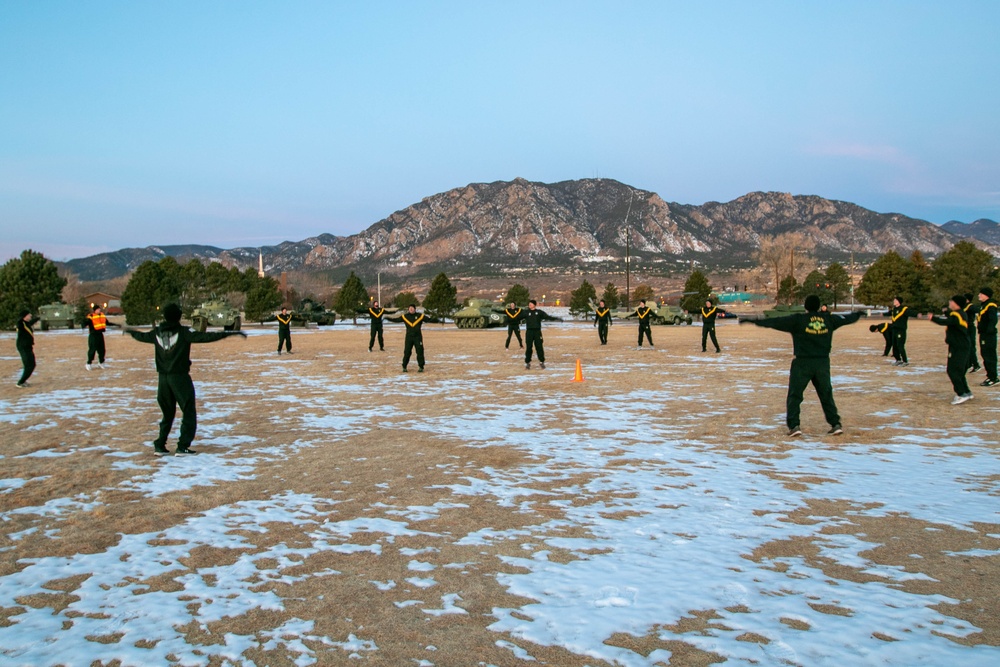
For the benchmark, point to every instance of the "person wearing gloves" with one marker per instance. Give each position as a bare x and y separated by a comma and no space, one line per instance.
172,343
957,338
812,340
602,320
987,321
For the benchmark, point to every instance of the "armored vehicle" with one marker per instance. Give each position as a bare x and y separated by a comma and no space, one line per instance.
782,310
56,316
216,313
311,312
664,314
480,314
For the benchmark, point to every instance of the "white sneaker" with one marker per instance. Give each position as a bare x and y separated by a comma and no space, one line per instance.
102,365
88,367
958,400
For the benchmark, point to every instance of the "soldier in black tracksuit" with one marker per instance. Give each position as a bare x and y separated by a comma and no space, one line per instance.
514,317
645,322
26,346
173,365
899,314
971,311
708,314
812,340
533,333
886,330
413,320
376,312
987,317
957,338
602,320
285,330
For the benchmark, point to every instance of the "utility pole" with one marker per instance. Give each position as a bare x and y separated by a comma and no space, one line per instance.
628,254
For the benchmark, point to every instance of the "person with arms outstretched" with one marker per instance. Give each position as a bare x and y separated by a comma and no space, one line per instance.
643,312
898,315
172,343
957,338
97,323
533,333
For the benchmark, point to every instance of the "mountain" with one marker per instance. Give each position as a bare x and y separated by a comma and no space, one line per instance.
983,230
505,224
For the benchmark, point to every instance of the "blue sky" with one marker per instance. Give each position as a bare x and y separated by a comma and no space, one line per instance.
248,123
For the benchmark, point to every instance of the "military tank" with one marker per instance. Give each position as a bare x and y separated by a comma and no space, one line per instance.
216,313
664,314
311,312
480,314
782,310
56,316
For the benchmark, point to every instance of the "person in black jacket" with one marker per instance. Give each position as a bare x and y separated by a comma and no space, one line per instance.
643,312
26,346
172,343
899,314
97,323
602,320
987,321
514,317
957,338
376,313
708,314
285,330
533,333
413,321
812,340
971,311
886,330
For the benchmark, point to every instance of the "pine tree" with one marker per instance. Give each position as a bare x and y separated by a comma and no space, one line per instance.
696,291
580,299
405,300
815,283
610,296
889,276
262,298
148,290
840,282
788,288
962,269
518,295
440,301
27,282
352,298
642,292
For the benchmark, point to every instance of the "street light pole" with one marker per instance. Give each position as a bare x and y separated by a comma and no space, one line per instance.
628,254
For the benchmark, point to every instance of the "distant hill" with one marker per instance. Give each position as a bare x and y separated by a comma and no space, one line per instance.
983,230
491,226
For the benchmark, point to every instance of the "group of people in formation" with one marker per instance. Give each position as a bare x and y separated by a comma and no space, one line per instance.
811,331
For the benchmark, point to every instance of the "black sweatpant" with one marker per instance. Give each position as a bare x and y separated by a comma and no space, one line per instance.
376,333
533,338
973,361
988,350
804,371
95,345
409,345
705,333
958,364
899,347
175,391
514,331
888,343
28,361
602,332
645,328
284,337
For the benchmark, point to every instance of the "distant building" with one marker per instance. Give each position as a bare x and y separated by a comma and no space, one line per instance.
111,304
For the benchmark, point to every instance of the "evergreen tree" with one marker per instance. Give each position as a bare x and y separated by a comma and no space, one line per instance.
405,300
193,292
218,279
27,282
642,292
815,283
149,289
788,290
351,298
610,296
580,299
440,301
889,276
518,294
840,283
962,269
262,299
696,291
921,290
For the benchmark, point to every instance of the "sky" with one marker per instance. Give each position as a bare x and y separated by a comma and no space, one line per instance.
246,124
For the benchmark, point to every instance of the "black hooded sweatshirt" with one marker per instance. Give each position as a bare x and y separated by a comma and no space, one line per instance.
173,345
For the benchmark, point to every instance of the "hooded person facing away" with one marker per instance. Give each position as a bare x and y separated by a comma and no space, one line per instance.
812,340
172,343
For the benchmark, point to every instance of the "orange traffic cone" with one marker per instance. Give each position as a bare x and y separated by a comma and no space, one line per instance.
579,372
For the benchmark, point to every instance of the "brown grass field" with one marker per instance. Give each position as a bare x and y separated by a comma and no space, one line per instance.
341,497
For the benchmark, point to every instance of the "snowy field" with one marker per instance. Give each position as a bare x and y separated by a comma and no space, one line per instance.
480,514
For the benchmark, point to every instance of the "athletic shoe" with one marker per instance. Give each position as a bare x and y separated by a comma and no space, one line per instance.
88,367
836,430
102,365
185,450
904,363
958,400
987,383
420,370
542,364
527,366
160,451
719,350
404,369
369,349
794,432
22,385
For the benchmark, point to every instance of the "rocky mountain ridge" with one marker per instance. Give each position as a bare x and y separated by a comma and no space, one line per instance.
527,224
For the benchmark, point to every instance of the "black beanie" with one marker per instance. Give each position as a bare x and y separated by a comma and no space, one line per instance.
22,314
812,303
172,313
873,328
959,301
988,291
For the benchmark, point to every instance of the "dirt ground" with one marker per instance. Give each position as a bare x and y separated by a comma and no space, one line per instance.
344,427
